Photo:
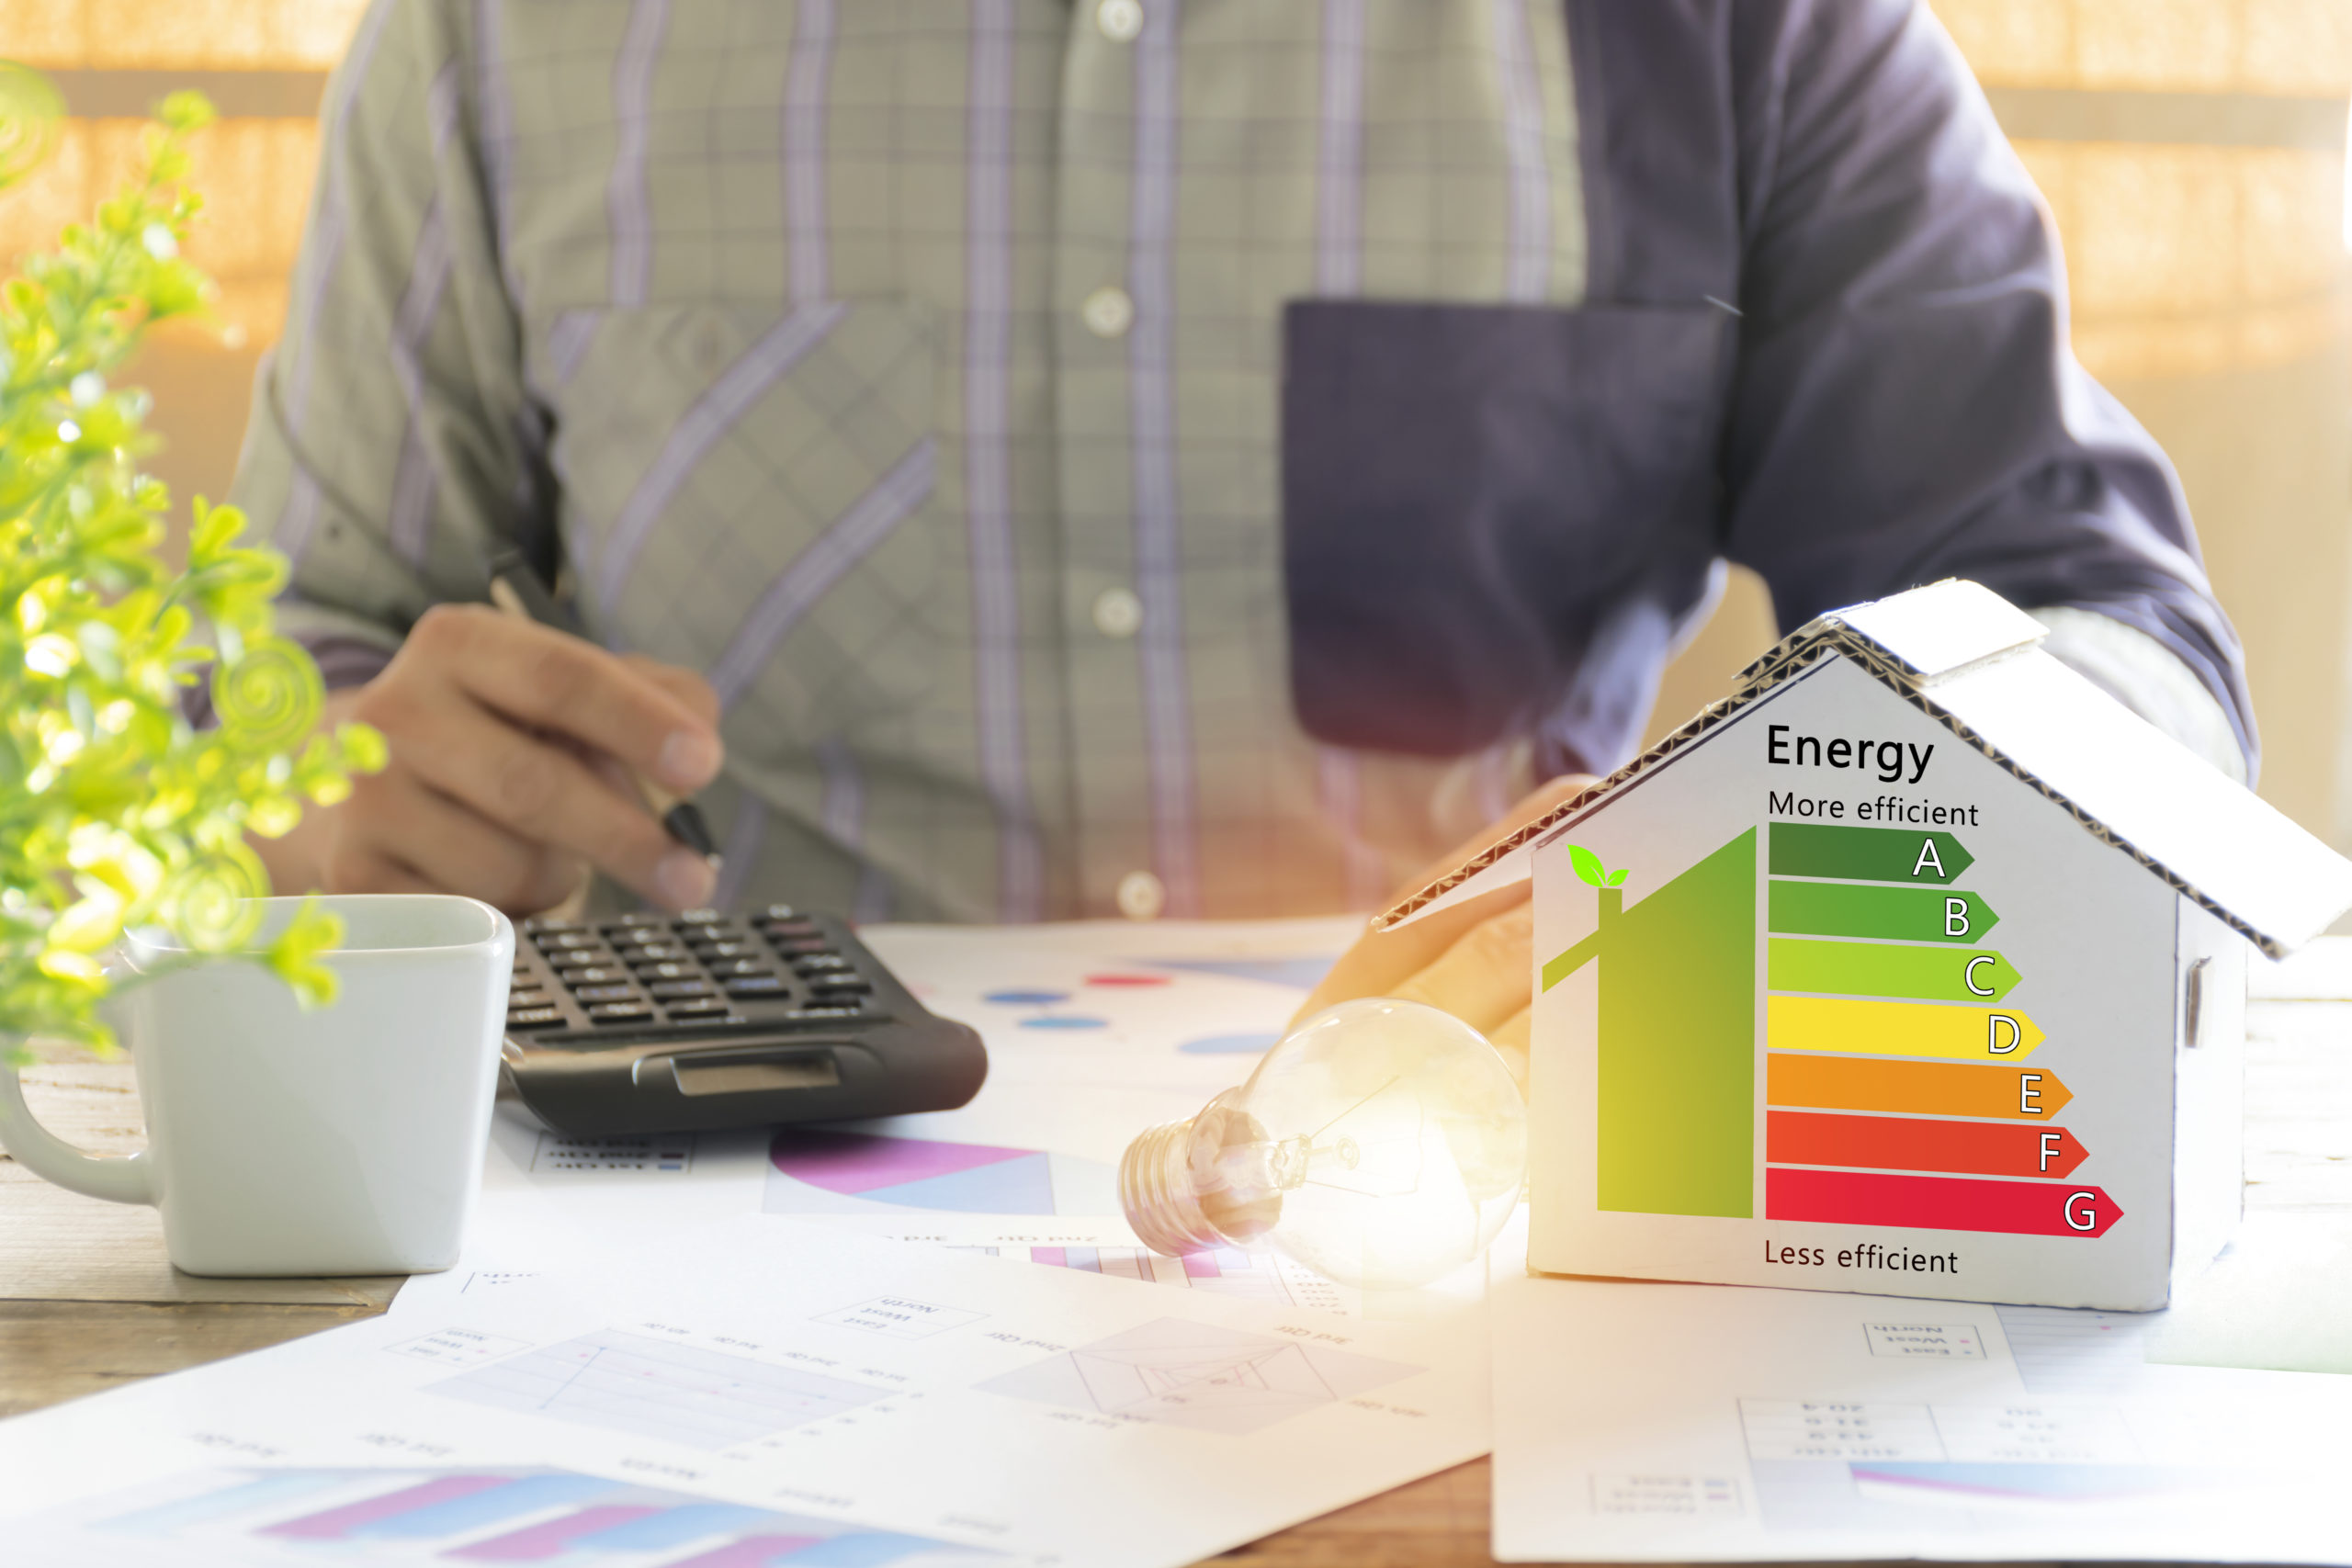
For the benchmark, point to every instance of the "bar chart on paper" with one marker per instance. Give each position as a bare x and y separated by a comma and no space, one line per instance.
1903,1083
489,1514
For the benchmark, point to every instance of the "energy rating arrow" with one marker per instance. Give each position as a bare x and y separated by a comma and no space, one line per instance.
1893,914
1916,1089
1904,1143
1858,1026
1866,854
1940,1202
1890,969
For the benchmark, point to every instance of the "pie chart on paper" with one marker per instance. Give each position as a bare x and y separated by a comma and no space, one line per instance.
818,1171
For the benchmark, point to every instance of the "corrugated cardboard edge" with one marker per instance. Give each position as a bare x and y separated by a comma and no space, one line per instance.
1791,656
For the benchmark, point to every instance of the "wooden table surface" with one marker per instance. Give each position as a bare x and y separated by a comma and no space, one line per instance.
87,1301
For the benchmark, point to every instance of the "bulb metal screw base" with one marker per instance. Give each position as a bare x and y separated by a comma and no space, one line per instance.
1155,1189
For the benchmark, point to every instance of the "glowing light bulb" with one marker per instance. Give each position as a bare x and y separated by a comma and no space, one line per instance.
1383,1143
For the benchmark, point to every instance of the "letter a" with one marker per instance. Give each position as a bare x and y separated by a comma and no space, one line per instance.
1928,857
1955,917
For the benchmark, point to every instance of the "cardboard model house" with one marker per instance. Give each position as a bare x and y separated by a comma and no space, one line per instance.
1913,967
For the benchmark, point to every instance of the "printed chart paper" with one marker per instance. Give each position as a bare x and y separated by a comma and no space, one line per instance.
1694,1423
763,1391
1095,1031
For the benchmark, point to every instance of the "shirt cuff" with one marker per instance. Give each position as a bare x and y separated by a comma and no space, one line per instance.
2146,677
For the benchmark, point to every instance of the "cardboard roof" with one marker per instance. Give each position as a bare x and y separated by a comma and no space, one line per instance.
1969,660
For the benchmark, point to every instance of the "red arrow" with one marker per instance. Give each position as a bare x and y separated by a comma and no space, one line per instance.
1911,1143
1938,1202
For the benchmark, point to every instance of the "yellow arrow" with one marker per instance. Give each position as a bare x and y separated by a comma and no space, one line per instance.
1854,1026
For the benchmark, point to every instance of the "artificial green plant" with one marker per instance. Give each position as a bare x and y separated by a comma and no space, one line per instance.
115,811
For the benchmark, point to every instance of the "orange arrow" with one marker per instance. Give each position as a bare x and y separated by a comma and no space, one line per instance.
1918,1089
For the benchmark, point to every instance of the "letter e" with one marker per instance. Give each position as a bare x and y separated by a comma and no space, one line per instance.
2028,1094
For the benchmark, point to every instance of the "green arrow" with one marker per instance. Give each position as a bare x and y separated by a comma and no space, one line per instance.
1891,914
1867,854
1888,969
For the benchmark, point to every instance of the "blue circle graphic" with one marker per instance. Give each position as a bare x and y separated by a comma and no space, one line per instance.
1230,1044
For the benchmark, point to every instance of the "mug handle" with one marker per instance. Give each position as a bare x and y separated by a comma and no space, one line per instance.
117,1178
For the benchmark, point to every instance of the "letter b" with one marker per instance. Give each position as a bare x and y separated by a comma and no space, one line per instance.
1955,917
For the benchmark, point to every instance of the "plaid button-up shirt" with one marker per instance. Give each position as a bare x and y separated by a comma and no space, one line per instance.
1199,456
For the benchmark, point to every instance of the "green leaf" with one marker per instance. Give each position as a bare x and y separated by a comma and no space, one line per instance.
1587,864
1614,878
294,956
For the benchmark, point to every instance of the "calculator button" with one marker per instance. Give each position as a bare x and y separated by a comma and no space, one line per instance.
780,912
824,963
699,1007
839,990
537,926
667,972
680,989
641,917
558,941
593,974
726,966
828,1012
756,986
527,996
792,945
709,950
699,918
605,993
534,1018
651,950
609,1012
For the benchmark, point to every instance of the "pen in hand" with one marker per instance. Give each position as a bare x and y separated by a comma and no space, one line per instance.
515,589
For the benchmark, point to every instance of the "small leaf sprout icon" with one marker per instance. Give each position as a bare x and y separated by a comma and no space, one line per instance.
1591,870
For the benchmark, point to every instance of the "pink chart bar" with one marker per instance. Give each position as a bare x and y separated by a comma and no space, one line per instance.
544,1540
337,1522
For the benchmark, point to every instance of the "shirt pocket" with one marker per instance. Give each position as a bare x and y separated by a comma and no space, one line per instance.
1473,493
749,493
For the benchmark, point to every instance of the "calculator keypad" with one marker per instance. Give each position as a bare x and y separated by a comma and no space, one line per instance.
700,968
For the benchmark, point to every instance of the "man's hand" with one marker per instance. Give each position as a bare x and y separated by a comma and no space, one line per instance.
1472,960
508,742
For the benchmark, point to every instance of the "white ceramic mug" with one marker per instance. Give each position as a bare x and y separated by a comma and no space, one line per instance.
344,1140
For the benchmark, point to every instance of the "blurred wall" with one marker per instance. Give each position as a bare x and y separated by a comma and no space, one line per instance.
2192,151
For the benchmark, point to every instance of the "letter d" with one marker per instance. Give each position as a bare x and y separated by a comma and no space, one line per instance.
1993,1041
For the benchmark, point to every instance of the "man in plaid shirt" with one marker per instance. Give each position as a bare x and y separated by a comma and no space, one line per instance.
1040,459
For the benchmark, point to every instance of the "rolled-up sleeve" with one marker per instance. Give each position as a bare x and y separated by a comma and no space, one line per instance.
388,450
1906,406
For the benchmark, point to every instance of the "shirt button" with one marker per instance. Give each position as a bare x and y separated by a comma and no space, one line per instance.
1117,613
1108,312
1140,896
1120,20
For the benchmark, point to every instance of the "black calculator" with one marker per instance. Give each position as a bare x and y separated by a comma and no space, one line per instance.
662,1023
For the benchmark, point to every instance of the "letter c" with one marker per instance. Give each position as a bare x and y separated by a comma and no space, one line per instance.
1970,977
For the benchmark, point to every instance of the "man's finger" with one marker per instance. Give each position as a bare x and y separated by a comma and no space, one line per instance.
457,851
690,689
1511,1037
1482,979
549,681
544,793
